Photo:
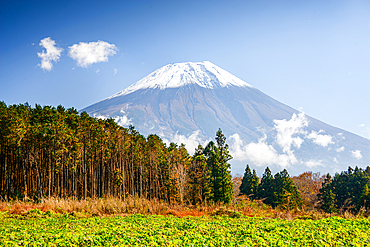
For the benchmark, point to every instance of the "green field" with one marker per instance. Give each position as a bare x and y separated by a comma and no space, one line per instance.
49,229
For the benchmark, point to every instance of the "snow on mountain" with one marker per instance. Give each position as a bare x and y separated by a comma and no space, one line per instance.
204,74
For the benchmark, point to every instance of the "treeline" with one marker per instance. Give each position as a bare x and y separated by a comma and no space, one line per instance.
57,152
345,192
278,190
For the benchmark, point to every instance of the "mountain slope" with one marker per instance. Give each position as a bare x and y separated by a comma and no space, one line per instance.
179,100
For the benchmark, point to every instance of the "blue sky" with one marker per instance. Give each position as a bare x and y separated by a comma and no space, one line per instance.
310,55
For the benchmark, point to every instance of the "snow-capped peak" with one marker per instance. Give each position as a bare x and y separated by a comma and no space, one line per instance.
204,74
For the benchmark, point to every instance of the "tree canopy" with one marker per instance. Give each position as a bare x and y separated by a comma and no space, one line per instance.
347,191
57,152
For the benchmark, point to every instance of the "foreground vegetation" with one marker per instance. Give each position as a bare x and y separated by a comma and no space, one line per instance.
49,229
135,221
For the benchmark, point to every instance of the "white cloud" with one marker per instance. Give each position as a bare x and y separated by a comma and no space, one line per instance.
341,136
97,71
52,53
357,154
122,120
323,140
335,160
94,52
288,134
115,71
261,153
361,125
341,149
191,142
99,116
286,130
313,163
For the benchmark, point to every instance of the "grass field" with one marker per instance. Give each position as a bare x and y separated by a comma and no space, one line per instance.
37,228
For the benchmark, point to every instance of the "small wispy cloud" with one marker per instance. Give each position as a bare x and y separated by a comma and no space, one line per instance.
357,154
51,55
365,129
115,71
313,163
122,120
322,140
87,54
341,149
191,142
98,116
340,135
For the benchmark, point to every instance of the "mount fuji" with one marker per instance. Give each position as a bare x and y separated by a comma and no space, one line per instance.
188,102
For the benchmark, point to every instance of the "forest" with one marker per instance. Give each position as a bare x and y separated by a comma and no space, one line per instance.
57,152
347,191
50,151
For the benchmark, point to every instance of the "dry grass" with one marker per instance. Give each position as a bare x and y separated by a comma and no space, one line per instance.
89,207
134,205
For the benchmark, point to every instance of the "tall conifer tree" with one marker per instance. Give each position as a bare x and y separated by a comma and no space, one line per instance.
286,193
217,160
249,183
327,197
199,178
265,190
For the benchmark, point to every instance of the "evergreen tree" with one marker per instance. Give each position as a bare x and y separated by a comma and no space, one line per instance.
348,187
249,183
286,194
365,198
227,188
358,181
199,178
327,197
265,190
217,160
